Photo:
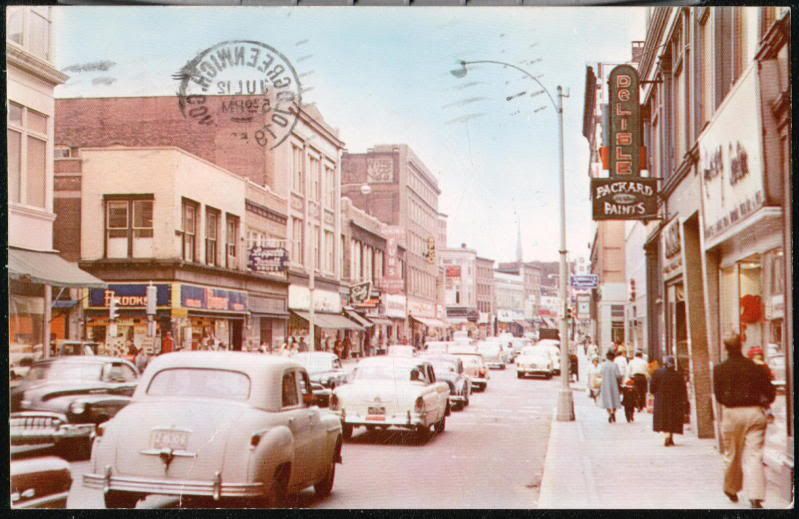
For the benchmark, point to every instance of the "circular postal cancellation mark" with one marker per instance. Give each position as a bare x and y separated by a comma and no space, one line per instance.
261,89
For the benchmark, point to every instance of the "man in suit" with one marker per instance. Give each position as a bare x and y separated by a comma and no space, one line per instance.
745,392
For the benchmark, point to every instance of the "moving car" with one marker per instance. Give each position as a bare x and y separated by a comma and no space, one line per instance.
61,401
401,350
220,425
534,360
449,369
553,347
42,482
437,346
474,368
392,391
493,354
516,346
326,373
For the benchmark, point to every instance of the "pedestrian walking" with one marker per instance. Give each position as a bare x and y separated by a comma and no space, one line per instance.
346,346
745,393
574,367
303,346
668,387
594,378
621,361
609,387
637,371
629,399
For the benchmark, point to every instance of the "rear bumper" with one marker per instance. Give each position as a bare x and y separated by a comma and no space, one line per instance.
534,371
479,381
215,488
407,419
457,398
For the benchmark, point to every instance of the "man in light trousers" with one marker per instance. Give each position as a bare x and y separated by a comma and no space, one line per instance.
745,392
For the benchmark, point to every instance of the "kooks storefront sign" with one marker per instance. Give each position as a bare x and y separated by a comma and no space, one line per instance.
129,296
629,199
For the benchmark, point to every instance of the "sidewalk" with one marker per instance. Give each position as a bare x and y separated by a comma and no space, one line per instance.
593,464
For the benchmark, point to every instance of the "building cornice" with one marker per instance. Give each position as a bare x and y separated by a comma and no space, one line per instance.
18,57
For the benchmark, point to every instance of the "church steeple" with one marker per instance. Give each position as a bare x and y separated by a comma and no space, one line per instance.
519,242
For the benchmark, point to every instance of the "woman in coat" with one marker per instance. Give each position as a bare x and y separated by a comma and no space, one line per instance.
609,389
668,386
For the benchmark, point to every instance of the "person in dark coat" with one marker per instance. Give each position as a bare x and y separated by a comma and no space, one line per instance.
668,387
629,399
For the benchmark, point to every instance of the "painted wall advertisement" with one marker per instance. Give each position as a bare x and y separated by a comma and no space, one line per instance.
392,277
731,159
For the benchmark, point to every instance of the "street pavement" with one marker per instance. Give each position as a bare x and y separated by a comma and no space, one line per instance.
490,456
592,464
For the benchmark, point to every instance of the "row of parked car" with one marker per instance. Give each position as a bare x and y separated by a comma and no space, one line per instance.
238,426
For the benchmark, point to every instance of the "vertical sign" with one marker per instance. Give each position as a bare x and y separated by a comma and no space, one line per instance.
625,122
392,277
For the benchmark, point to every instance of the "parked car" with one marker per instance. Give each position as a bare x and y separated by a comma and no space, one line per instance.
437,346
401,350
220,425
42,482
534,360
392,392
67,347
493,353
474,368
326,373
776,364
553,347
449,368
61,401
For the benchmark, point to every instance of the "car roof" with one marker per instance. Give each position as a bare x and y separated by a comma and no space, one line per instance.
439,356
81,359
394,361
309,354
234,360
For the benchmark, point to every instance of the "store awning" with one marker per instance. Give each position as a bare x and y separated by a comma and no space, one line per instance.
48,268
330,321
358,319
457,320
430,323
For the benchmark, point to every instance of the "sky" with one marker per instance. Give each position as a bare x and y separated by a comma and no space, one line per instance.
382,76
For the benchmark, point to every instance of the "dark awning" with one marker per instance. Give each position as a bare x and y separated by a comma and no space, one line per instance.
266,307
329,321
381,320
358,319
430,323
48,268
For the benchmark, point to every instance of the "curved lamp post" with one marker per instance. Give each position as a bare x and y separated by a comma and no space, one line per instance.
565,400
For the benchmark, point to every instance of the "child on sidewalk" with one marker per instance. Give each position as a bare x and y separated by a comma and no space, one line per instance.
629,398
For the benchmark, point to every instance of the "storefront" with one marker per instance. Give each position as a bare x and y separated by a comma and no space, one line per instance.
396,311
268,320
330,324
424,324
32,276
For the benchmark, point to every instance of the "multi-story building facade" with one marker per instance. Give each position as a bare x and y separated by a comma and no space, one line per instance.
34,266
485,296
509,299
182,228
460,271
715,110
531,273
404,194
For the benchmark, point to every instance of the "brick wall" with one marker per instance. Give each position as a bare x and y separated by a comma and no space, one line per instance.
157,121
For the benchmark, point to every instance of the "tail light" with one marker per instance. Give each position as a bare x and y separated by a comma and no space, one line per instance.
333,405
419,407
99,430
482,372
255,439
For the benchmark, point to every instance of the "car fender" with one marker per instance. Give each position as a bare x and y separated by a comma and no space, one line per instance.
275,448
331,424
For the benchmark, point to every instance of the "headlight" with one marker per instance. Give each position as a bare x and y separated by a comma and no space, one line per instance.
77,407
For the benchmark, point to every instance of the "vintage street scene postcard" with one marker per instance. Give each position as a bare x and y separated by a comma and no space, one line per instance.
414,255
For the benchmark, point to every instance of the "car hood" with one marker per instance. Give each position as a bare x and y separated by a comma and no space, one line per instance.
53,396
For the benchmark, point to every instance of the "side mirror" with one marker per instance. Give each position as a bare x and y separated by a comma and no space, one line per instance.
308,399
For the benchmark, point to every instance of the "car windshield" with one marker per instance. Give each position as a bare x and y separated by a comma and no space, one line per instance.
443,366
71,371
315,363
469,360
535,352
203,383
383,372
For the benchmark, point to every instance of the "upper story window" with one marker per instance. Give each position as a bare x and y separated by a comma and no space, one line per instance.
189,227
330,252
297,242
330,186
29,27
211,236
298,170
27,156
129,226
231,238
316,181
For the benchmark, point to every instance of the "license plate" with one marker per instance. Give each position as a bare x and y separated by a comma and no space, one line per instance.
376,413
170,439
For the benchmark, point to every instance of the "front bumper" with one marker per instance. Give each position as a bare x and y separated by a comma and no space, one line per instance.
214,488
533,371
495,365
38,428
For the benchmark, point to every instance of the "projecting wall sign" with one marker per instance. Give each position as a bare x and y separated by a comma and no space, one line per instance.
628,199
625,122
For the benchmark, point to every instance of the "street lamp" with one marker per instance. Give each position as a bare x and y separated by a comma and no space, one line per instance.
565,400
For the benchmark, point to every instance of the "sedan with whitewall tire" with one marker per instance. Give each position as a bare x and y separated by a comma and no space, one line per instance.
218,425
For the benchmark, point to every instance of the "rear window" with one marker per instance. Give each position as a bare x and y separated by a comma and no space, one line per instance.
203,383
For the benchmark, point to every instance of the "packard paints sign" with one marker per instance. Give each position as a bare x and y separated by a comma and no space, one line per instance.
625,122
629,199
731,160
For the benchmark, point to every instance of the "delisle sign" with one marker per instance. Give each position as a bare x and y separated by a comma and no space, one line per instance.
625,122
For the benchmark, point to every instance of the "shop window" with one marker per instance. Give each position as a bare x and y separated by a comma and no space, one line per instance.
189,231
27,156
129,227
231,239
330,252
211,236
330,186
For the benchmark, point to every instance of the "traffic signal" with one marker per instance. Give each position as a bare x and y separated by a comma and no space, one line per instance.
113,310
569,313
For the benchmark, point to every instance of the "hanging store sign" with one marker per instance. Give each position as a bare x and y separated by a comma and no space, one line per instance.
395,306
731,158
268,259
360,293
628,199
625,122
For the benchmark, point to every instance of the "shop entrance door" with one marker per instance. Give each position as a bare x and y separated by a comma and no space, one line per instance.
266,332
236,335
678,337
